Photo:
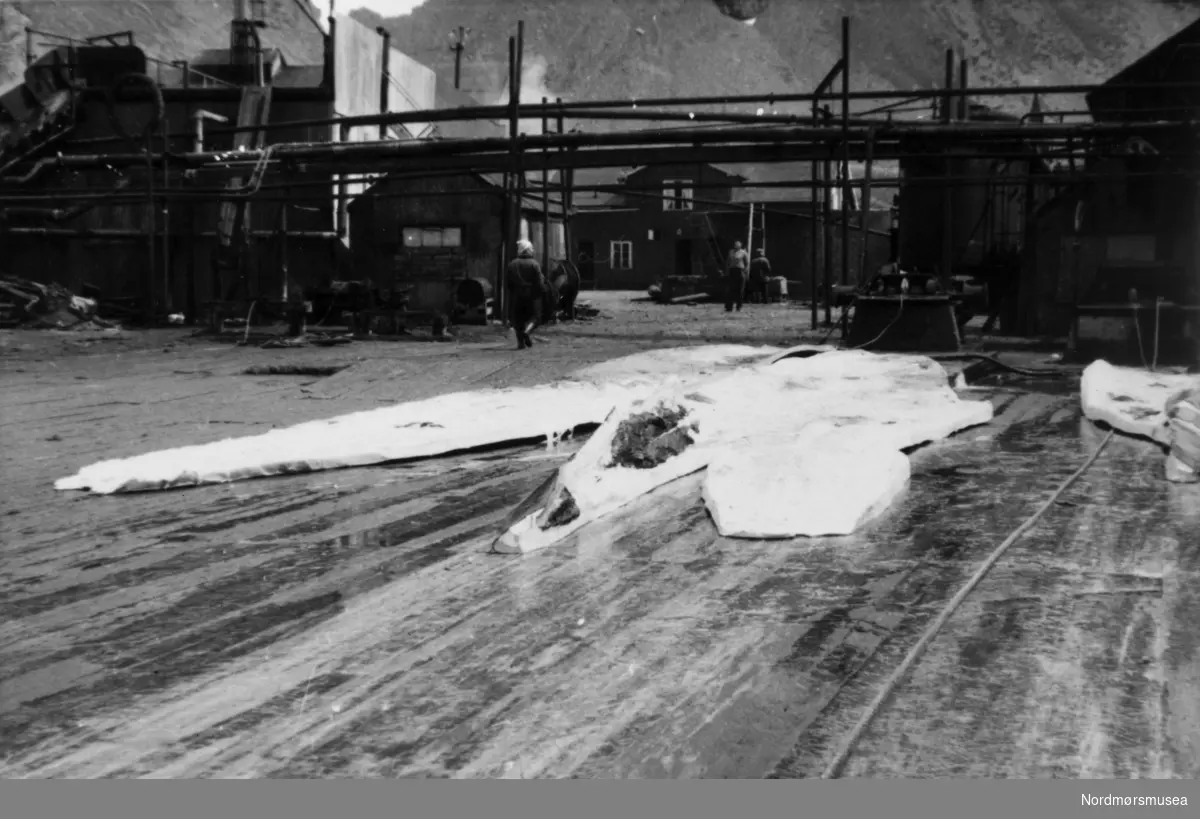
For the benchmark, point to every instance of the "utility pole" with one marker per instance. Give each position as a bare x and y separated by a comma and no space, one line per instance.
458,41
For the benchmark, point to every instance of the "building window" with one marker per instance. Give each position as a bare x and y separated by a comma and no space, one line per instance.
622,255
432,237
677,194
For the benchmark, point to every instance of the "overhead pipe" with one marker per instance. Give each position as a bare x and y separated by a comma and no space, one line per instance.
452,115
279,194
883,132
635,109
604,160
589,158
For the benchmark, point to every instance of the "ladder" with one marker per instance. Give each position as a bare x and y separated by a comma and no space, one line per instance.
699,221
758,227
233,221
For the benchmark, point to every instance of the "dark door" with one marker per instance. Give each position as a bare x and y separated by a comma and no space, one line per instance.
683,257
587,264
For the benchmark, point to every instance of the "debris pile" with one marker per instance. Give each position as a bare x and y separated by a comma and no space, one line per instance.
585,311
310,338
37,306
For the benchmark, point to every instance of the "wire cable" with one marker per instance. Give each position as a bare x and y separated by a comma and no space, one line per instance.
883,332
834,768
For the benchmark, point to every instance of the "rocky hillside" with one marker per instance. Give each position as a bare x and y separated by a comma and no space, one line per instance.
165,29
605,49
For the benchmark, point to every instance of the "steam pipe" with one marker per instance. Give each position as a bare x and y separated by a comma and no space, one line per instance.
199,117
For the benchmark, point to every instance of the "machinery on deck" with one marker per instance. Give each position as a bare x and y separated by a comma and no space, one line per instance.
903,311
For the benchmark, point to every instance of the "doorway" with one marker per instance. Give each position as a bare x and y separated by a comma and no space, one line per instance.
587,264
683,257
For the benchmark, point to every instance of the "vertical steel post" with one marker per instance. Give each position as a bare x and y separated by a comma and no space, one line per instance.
847,193
545,194
963,103
947,188
816,227
385,78
458,51
827,220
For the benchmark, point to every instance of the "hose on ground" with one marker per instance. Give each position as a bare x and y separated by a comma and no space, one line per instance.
834,769
1031,373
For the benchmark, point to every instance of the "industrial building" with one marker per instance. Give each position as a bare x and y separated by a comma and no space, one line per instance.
681,221
177,240
440,239
1129,236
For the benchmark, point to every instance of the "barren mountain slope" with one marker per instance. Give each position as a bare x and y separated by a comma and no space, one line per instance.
166,29
642,48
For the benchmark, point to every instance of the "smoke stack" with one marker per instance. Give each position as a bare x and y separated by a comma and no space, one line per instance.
239,9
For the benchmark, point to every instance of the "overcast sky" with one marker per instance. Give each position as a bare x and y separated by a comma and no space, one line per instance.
387,8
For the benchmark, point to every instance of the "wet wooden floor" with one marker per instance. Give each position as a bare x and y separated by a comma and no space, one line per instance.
350,624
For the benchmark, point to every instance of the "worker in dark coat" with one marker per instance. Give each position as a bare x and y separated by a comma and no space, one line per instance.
760,274
526,290
735,277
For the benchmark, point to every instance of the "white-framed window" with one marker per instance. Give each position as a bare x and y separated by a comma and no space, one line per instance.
621,254
677,194
432,236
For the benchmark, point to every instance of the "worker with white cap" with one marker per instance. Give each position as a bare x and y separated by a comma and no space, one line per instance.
526,290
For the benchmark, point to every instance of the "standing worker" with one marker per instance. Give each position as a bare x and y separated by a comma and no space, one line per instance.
760,274
735,277
526,288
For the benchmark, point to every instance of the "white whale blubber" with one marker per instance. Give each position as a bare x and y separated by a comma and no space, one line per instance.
1129,399
797,446
417,429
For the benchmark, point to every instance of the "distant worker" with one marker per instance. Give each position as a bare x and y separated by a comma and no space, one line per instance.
735,277
760,273
526,290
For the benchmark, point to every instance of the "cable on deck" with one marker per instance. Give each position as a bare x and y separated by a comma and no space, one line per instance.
834,769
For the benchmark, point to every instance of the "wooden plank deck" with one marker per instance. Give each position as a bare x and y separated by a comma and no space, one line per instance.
350,623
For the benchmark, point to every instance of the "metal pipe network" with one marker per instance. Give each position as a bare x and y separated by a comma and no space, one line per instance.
324,196
585,109
886,137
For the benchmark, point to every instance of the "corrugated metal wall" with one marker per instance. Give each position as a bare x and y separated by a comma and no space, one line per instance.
358,72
